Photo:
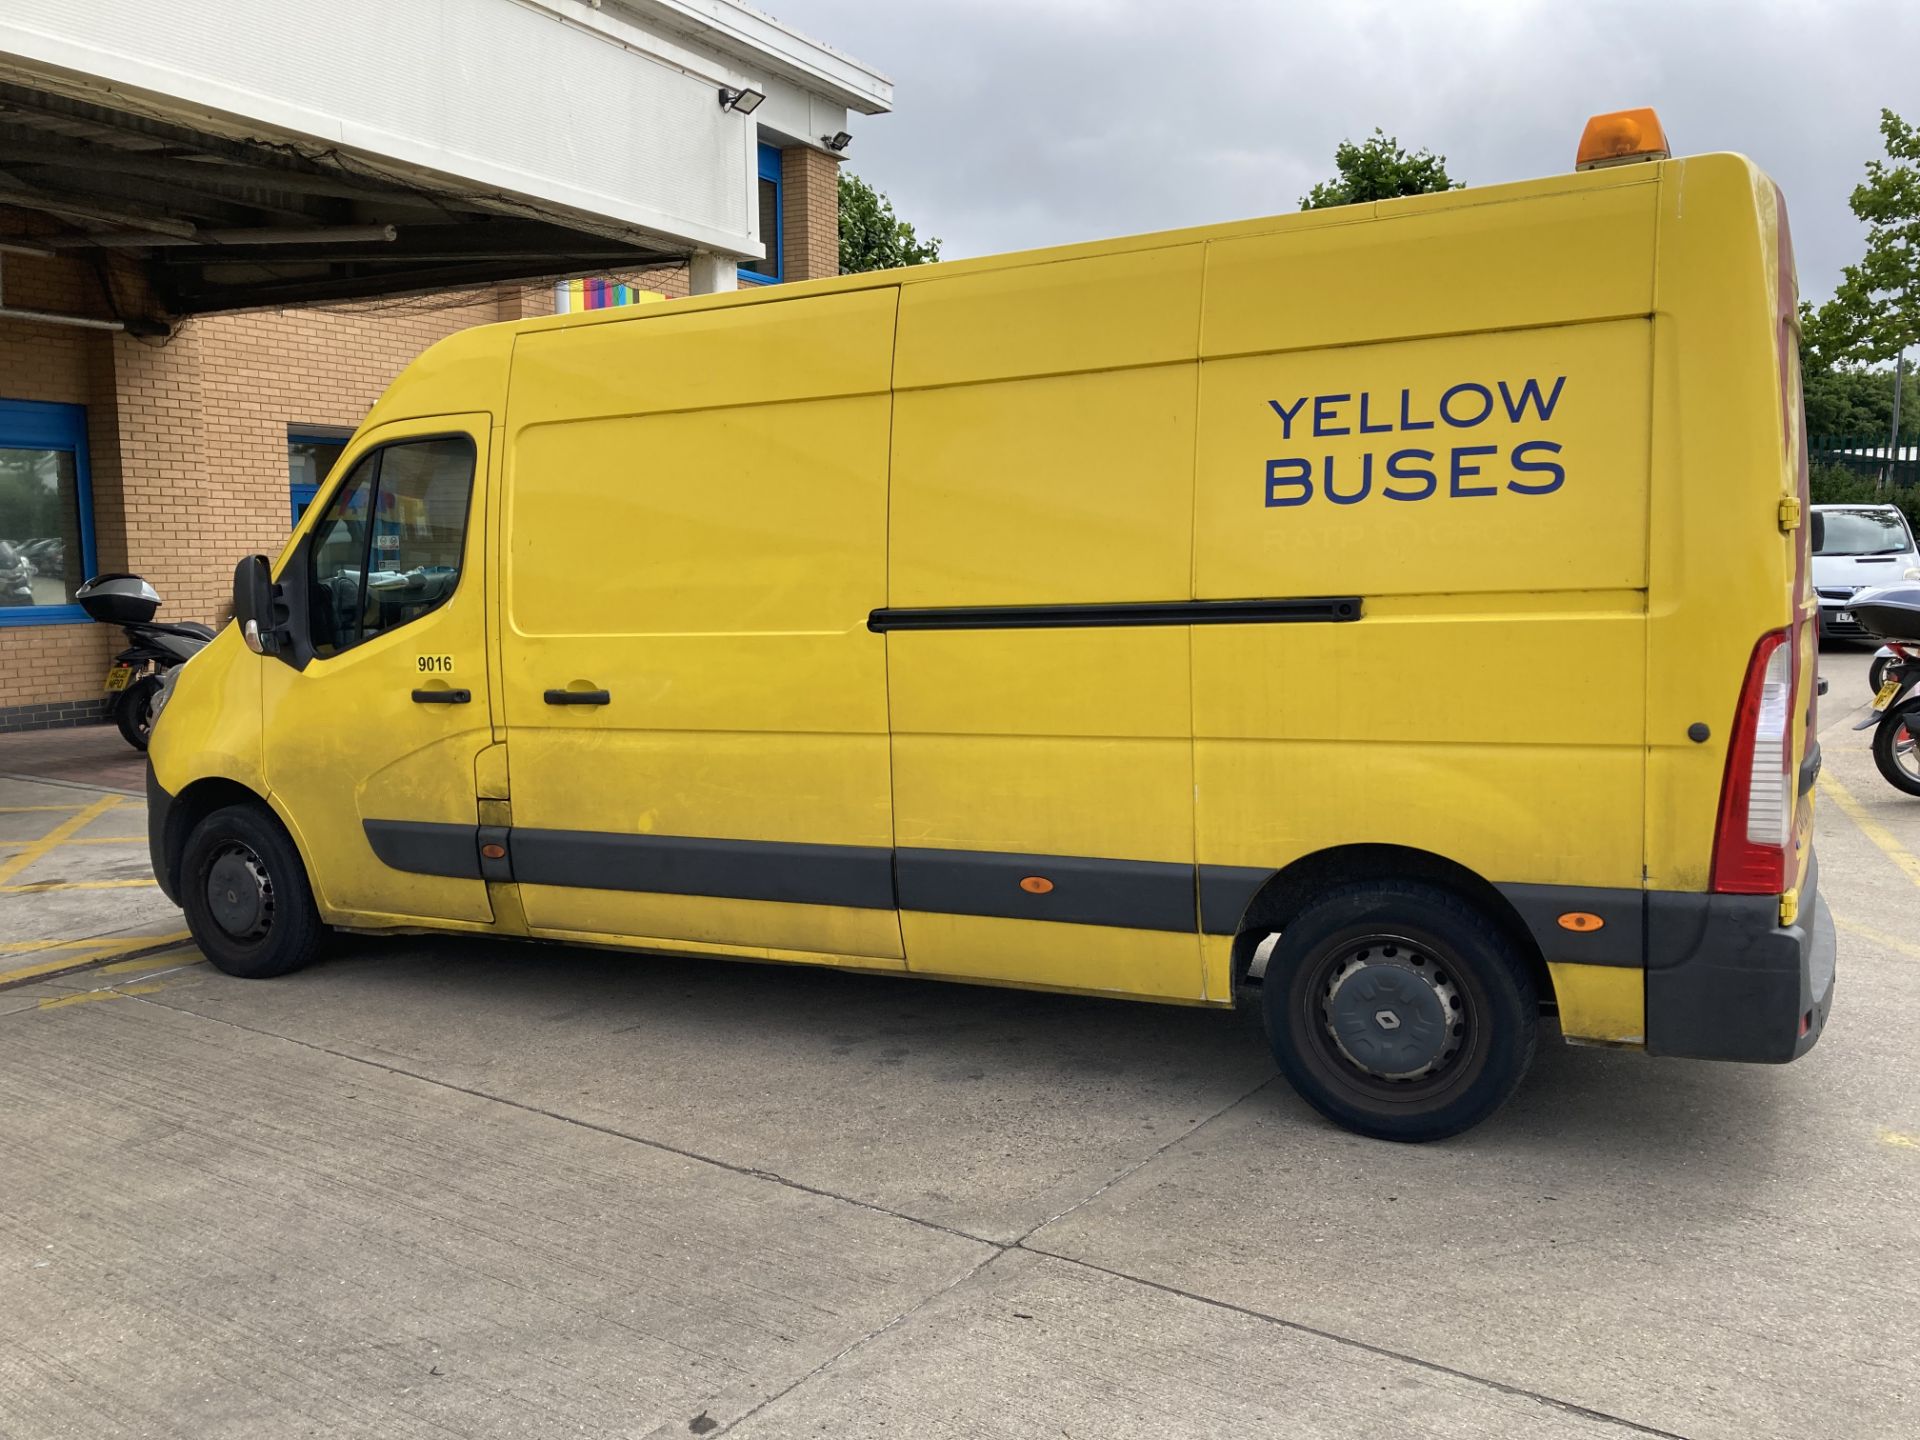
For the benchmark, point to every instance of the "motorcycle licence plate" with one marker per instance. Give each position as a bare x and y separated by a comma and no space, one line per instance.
118,677
1888,690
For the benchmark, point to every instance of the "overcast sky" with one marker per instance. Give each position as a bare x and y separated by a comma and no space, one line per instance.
1032,122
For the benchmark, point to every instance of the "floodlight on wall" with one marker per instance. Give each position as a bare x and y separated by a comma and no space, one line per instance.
743,101
837,141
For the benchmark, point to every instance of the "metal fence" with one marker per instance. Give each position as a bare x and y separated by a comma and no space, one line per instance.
1867,457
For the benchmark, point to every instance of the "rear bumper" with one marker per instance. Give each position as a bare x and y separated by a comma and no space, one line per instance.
1727,981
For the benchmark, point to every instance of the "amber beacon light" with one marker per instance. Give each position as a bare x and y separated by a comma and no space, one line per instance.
1621,138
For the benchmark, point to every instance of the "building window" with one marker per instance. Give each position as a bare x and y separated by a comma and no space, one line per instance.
312,451
46,512
768,271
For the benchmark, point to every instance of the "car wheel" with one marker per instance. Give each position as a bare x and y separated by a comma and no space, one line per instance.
1399,1011
246,894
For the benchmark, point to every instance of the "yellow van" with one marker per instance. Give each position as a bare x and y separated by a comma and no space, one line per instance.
1394,616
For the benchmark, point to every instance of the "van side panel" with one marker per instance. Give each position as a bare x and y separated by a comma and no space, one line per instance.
695,522
1483,494
1056,754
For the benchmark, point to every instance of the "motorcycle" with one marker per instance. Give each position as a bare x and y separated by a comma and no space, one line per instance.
154,650
16,576
1892,613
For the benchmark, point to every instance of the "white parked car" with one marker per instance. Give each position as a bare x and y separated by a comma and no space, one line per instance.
1856,547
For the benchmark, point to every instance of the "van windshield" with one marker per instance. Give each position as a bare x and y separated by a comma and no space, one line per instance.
1859,532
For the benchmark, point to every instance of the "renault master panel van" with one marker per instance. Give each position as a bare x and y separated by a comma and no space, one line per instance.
1424,584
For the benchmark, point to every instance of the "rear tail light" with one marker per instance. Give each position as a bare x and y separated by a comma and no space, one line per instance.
1754,840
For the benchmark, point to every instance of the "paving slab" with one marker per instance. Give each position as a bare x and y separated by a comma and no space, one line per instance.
1715,1250
90,755
209,1232
76,879
1032,1346
984,1110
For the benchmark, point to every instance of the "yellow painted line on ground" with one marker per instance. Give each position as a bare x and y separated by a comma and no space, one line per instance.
99,950
81,840
1892,942
119,993
173,959
39,887
1871,828
1899,1141
33,809
70,826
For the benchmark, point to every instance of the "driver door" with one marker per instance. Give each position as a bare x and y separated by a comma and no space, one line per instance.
370,747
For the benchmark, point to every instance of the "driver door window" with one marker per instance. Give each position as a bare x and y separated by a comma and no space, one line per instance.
388,549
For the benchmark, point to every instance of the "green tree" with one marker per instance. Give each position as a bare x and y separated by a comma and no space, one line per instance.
1379,169
872,237
1874,315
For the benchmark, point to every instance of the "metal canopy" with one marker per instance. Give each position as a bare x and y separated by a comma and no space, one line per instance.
207,222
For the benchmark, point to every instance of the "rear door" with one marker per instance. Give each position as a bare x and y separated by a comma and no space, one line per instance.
695,535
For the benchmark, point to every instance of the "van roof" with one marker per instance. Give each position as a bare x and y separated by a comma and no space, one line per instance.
1611,178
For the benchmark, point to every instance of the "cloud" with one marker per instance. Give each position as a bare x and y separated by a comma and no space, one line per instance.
1035,122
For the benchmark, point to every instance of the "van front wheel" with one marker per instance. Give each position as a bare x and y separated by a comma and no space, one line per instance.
1400,1011
246,895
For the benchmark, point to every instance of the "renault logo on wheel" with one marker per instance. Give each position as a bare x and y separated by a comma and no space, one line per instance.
1386,1019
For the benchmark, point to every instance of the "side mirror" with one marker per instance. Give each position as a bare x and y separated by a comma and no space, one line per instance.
256,607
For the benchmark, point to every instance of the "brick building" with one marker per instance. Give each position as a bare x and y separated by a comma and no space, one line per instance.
134,437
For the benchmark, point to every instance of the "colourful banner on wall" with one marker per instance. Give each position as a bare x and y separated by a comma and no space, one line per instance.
597,293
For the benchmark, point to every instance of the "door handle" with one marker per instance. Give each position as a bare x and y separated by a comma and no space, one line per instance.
442,697
578,697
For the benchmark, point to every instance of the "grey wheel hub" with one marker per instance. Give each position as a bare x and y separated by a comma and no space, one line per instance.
239,894
1393,1012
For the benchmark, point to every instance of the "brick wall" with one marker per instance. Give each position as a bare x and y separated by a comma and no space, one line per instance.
61,664
810,212
188,437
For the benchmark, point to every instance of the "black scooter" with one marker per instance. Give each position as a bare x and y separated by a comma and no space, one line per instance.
1892,613
153,649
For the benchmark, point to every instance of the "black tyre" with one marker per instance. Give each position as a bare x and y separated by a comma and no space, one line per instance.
1399,1011
1877,673
246,895
134,711
1895,750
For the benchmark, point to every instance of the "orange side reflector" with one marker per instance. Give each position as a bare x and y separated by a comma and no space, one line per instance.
1620,138
494,852
1036,885
1581,921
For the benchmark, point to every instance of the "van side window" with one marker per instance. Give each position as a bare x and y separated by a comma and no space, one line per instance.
388,548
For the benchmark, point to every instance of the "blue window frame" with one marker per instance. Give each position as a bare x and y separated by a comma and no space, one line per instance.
312,452
46,512
772,270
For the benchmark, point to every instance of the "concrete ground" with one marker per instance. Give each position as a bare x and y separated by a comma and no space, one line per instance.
440,1188
76,883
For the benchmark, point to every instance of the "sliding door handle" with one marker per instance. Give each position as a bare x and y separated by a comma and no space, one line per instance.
442,697
578,697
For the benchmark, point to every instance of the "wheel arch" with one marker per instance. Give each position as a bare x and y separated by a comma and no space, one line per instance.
1289,890
199,800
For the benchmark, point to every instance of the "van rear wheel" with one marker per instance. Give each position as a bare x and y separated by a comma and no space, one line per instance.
246,894
1399,1011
